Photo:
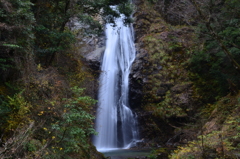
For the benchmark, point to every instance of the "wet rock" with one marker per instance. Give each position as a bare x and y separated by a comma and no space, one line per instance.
94,58
136,78
153,130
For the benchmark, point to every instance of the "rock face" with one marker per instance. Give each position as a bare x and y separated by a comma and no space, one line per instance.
137,78
160,86
175,12
91,47
92,50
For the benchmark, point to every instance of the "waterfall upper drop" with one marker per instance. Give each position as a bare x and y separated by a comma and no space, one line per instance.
115,122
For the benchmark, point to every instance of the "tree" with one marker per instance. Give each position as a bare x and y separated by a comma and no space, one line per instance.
215,63
52,16
16,35
221,20
38,122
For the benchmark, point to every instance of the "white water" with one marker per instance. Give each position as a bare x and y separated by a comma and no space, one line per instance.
115,122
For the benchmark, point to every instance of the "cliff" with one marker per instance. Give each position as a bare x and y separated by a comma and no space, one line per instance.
179,100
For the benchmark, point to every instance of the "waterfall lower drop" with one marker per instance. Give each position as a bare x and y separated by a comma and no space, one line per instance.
115,123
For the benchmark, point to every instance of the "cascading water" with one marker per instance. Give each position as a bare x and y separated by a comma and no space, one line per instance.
115,122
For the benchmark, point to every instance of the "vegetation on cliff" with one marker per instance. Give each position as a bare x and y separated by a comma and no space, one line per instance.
191,75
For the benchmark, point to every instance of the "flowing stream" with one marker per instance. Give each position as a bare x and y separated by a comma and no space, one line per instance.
116,124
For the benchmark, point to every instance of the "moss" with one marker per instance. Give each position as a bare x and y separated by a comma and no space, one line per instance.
220,135
165,70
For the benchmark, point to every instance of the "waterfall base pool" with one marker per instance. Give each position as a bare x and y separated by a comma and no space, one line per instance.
127,153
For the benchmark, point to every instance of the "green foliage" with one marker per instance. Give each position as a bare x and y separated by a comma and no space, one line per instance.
168,107
70,134
19,109
16,36
224,142
33,30
11,45
51,40
33,145
62,126
51,18
14,111
21,19
205,146
94,27
217,144
165,69
212,73
31,24
158,153
126,9
213,70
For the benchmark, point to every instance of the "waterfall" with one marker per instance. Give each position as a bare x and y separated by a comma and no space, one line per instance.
115,121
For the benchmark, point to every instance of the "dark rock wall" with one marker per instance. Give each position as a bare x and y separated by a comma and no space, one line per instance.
161,92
